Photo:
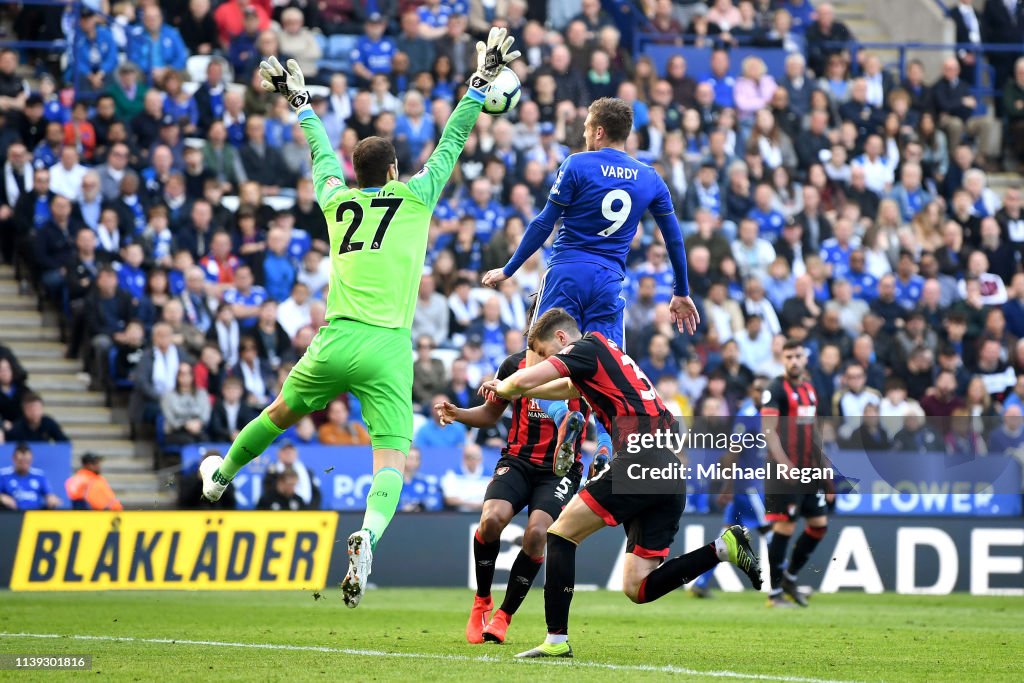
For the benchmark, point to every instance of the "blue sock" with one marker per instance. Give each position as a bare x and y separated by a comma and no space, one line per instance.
556,410
703,580
603,438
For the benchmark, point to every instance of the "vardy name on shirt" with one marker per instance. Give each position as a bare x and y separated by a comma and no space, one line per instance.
619,172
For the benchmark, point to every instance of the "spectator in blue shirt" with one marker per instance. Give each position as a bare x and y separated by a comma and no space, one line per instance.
909,193
490,330
245,298
435,435
720,80
23,487
95,53
769,220
130,275
155,47
1008,439
276,270
909,284
415,128
434,15
656,266
420,493
373,53
481,205
864,284
836,250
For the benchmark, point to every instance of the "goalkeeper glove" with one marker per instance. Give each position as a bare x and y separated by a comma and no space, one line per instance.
291,83
492,58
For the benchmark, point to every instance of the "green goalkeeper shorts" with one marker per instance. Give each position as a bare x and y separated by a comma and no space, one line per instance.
374,363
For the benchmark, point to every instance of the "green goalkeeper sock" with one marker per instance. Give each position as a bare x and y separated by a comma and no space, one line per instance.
251,442
382,501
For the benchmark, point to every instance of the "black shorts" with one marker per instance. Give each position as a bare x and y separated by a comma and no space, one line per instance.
786,507
650,520
522,483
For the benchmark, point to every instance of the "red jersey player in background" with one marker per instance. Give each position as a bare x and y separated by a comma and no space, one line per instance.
788,409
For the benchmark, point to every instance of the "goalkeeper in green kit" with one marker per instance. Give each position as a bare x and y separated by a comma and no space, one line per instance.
378,245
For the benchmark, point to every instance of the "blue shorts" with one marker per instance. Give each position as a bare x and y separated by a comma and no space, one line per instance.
592,294
746,508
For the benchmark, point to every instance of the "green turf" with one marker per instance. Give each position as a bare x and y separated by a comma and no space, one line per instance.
847,637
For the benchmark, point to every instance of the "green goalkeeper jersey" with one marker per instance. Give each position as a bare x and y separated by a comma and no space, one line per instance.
379,235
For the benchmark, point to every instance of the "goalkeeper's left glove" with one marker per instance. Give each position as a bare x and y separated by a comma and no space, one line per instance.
492,57
291,83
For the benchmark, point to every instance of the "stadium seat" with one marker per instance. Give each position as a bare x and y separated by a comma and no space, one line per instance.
196,67
190,87
340,46
230,202
114,383
279,202
318,90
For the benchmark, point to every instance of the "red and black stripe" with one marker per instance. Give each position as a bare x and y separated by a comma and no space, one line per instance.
618,389
534,435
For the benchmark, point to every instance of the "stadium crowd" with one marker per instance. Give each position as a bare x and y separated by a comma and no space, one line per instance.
159,198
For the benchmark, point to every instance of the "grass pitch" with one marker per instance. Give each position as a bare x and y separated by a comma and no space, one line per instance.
418,634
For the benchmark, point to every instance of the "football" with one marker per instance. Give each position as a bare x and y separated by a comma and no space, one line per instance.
503,95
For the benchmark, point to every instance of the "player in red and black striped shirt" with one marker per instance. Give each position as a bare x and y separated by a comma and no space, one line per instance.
523,476
618,391
788,409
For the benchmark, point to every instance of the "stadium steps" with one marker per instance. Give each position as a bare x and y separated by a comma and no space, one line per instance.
90,424
866,27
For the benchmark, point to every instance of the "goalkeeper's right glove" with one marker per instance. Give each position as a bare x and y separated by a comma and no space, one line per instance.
492,57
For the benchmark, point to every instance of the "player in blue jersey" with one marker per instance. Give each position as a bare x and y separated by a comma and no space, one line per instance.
743,498
600,195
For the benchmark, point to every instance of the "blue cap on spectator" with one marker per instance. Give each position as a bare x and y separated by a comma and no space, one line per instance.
547,128
285,443
168,120
375,18
474,340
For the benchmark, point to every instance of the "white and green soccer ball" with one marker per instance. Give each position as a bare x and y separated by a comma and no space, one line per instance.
503,94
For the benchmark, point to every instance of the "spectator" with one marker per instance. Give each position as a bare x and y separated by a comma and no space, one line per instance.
917,436
23,487
156,374
1008,438
298,41
431,315
464,489
260,161
433,434
34,425
282,495
186,409
956,108
155,47
869,435
420,493
825,37
373,53
307,485
256,375
229,412
339,430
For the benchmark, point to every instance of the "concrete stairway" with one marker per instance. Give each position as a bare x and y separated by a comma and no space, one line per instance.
86,419
866,26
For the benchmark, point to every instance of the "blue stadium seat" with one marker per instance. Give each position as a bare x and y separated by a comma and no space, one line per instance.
164,448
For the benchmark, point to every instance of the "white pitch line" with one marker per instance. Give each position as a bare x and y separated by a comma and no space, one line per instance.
422,655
